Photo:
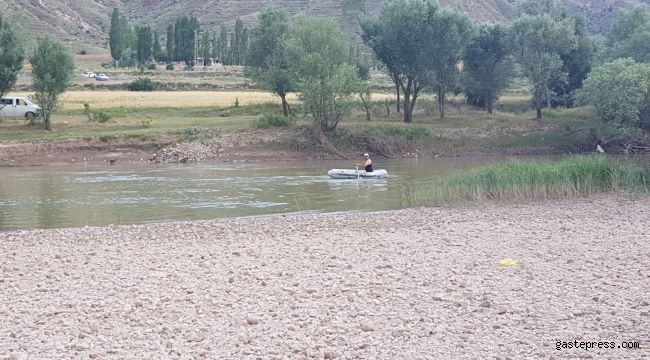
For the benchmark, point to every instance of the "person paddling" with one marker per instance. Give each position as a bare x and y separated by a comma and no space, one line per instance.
367,163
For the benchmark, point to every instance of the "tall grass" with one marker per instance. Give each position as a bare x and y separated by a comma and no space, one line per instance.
516,180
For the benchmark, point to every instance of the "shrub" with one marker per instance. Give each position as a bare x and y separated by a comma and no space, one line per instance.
151,67
170,67
142,84
272,120
82,52
101,116
95,115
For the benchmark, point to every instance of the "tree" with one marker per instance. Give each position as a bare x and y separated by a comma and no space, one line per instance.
630,36
157,49
487,66
619,92
267,62
330,98
538,41
115,36
223,44
145,44
315,50
239,28
373,36
449,33
178,50
170,44
214,46
232,50
402,37
244,46
52,71
12,55
185,31
576,64
205,46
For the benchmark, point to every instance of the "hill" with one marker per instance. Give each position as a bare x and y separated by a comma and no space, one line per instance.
84,24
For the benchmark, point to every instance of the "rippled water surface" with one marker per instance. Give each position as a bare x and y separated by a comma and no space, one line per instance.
54,197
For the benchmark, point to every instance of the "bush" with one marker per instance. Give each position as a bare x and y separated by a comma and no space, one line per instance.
95,115
170,67
101,116
272,120
151,67
142,85
82,52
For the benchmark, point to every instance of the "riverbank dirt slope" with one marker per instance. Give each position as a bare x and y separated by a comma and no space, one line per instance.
412,284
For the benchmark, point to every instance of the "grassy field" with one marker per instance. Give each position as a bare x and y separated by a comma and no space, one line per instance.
154,114
520,181
73,100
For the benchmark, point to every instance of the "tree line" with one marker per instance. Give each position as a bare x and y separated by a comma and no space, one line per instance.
184,42
424,47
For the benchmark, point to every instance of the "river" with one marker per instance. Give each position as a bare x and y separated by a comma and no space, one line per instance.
78,195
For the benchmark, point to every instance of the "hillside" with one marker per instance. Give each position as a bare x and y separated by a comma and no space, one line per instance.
84,24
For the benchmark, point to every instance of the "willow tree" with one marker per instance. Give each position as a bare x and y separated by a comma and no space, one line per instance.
538,42
267,62
487,66
52,71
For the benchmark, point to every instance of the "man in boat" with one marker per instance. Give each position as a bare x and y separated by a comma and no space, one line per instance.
367,163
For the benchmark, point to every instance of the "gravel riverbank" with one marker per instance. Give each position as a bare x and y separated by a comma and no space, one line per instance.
412,284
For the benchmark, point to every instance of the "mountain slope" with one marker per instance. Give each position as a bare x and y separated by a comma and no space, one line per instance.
84,24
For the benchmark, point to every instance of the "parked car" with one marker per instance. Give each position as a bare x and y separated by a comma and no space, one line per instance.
18,107
101,77
90,74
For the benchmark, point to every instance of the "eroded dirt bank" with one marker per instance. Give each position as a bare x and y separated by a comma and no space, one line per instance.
413,284
236,146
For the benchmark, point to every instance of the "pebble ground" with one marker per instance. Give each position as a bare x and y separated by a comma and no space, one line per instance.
411,284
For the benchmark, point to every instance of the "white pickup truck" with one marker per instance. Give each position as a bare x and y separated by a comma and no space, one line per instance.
18,107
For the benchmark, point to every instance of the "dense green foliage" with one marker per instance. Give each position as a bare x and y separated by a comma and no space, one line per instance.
619,92
267,62
272,120
401,38
630,36
142,84
145,44
539,38
316,49
52,71
487,66
576,64
421,44
573,177
12,54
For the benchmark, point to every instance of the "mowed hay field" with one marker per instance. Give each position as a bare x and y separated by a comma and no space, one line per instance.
74,100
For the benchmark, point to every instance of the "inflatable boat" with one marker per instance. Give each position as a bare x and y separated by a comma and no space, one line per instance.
357,174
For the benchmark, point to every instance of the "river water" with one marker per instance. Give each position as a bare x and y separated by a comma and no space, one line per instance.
78,195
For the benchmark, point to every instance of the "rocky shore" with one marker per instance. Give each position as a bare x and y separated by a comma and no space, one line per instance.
412,284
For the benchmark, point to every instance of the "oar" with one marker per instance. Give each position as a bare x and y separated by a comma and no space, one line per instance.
357,171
